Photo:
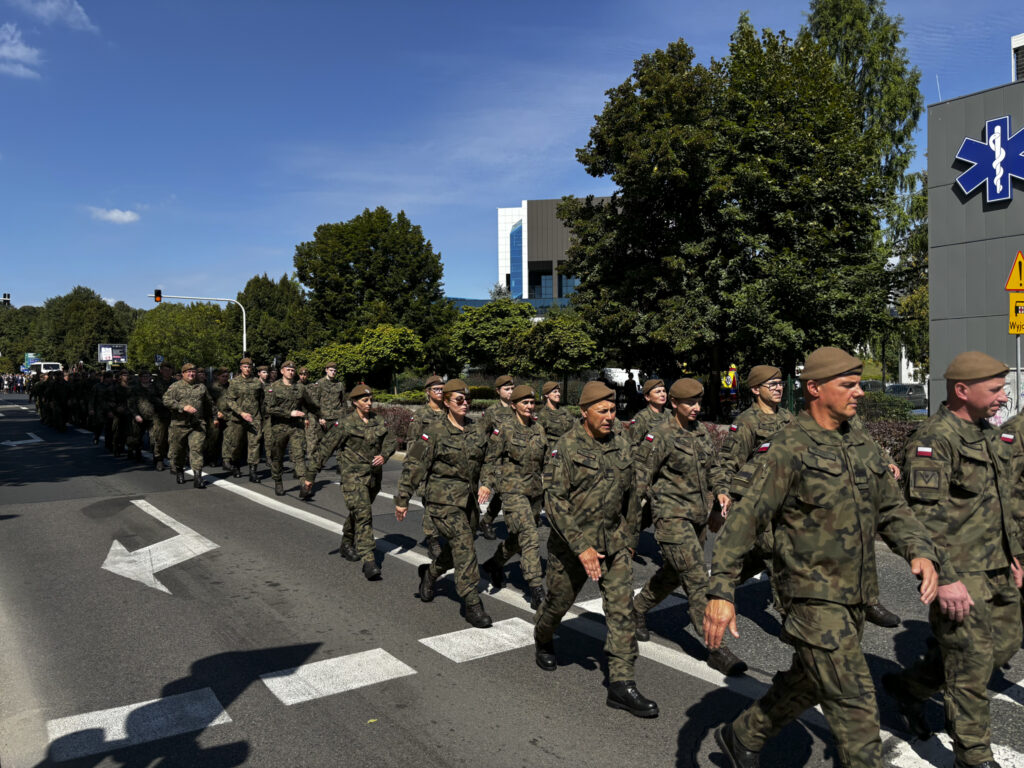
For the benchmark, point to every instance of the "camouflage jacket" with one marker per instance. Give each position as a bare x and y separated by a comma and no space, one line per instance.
102,400
160,387
494,415
681,476
281,399
180,394
589,492
360,442
1016,427
825,493
143,402
961,479
219,395
448,459
556,422
330,396
422,419
751,428
244,395
645,421
515,458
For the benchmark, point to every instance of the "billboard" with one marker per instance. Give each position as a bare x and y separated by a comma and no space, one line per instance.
112,353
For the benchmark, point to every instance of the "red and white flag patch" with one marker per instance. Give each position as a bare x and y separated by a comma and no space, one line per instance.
763,447
424,436
554,453
496,431
1006,437
649,437
734,428
924,450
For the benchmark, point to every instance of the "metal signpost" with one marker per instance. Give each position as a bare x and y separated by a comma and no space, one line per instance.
158,295
1015,290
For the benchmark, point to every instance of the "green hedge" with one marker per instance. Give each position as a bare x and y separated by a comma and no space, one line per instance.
878,406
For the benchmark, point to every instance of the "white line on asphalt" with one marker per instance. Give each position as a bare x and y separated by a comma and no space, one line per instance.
110,729
471,644
84,431
900,753
331,676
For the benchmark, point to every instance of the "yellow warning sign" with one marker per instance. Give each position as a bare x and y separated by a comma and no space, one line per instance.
1015,282
1017,313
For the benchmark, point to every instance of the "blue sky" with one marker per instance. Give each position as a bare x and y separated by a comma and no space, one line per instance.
190,145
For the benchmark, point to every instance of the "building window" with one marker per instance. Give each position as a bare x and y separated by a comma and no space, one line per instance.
515,241
567,285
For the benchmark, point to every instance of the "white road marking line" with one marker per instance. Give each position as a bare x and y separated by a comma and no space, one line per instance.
110,729
84,431
471,644
936,751
1014,694
331,676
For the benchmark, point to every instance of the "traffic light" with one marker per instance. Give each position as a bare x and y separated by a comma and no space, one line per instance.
157,295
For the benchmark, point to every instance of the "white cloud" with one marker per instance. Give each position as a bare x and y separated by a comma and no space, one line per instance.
67,12
113,215
16,58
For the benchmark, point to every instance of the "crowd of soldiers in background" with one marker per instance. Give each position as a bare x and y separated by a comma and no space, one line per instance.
799,496
15,383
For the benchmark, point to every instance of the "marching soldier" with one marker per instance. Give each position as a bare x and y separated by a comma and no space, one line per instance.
555,420
101,409
446,461
647,418
421,420
189,403
591,505
961,477
515,458
682,475
825,491
218,419
494,416
142,407
285,402
244,411
365,446
330,396
162,417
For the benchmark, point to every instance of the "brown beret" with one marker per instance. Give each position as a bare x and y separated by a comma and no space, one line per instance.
245,361
548,388
829,362
219,371
187,367
287,364
503,380
303,369
968,366
433,381
263,368
331,365
594,392
456,385
759,374
166,365
522,392
684,388
653,384
359,391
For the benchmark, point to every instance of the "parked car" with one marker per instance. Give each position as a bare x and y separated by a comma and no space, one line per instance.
915,393
872,385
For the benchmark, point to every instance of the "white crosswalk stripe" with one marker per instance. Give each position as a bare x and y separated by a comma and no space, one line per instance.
330,676
471,644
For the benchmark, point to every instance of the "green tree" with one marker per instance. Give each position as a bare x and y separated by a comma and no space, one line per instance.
195,333
910,245
493,337
560,345
70,327
15,332
377,269
352,365
387,349
278,318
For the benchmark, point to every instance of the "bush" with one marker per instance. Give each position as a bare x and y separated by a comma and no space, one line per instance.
878,406
482,393
397,418
892,435
409,397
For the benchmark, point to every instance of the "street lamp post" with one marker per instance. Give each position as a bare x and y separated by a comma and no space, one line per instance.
245,340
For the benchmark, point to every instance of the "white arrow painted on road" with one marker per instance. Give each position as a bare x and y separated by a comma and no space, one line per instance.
33,438
142,565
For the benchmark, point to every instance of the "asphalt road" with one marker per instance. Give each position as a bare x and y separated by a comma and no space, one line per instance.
226,630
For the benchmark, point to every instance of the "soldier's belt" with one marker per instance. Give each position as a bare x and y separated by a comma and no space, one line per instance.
291,421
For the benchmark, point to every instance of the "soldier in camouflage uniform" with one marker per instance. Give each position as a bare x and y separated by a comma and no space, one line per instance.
364,449
142,406
312,429
826,492
101,409
218,418
244,410
515,458
446,460
162,419
589,484
648,418
494,416
189,403
961,478
1015,426
421,420
263,373
681,475
287,404
556,421
121,424
330,396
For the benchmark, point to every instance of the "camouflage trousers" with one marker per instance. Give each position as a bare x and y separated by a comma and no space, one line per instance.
962,661
829,669
522,516
457,526
291,438
158,436
493,508
313,433
121,430
682,564
138,432
195,437
359,494
566,578
327,443
214,441
239,434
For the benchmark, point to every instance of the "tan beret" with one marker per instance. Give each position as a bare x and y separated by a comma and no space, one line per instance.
968,366
548,388
287,364
331,364
263,368
433,381
456,385
220,371
652,384
359,391
187,367
303,369
829,362
522,392
684,388
759,374
245,361
595,391
503,380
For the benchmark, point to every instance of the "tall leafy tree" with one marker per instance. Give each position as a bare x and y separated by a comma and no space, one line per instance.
493,337
388,349
560,345
910,275
194,333
278,318
69,327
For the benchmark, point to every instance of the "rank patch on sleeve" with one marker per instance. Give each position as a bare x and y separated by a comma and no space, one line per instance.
763,447
924,450
1006,438
554,453
734,428
926,478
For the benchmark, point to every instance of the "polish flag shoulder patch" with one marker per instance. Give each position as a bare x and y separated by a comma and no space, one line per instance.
924,450
763,447
425,436
1006,437
649,437
632,422
734,428
554,452
496,431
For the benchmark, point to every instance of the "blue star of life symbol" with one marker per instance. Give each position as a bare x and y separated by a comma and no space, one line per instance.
994,162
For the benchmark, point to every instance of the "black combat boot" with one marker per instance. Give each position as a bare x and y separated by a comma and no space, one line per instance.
237,472
279,487
477,616
179,475
738,755
494,572
427,580
487,529
348,550
987,764
642,632
158,465
881,616
726,662
306,491
911,709
624,695
197,480
536,597
253,477
544,653
371,570
433,547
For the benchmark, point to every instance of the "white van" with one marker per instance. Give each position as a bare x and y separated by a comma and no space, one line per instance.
42,368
